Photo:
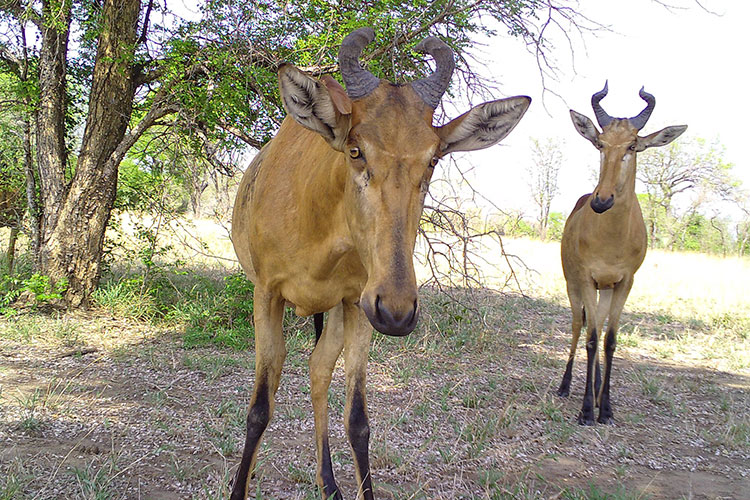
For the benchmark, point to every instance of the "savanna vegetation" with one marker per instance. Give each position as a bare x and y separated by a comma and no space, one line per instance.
145,394
126,340
690,197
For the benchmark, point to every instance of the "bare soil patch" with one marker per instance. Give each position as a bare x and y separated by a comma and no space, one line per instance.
462,409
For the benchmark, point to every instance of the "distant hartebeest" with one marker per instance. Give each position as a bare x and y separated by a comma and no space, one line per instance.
326,219
604,243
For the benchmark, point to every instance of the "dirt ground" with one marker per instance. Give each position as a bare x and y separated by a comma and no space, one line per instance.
469,413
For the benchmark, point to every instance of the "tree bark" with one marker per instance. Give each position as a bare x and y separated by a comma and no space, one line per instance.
31,197
10,256
74,224
50,129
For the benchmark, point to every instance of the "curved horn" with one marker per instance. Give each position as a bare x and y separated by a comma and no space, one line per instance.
432,88
601,116
359,82
639,121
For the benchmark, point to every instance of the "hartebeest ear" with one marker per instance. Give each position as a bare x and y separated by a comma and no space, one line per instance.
661,138
320,105
585,127
483,125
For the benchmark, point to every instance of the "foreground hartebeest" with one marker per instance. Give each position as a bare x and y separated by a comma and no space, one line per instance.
326,218
604,243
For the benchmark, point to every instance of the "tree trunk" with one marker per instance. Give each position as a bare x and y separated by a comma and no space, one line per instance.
12,249
50,129
27,117
74,227
31,199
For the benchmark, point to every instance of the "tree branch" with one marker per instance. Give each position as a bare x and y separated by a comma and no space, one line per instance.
240,134
22,12
156,112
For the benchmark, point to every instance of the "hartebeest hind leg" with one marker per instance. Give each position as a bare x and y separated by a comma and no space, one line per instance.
270,351
619,296
347,329
357,336
589,296
322,362
579,320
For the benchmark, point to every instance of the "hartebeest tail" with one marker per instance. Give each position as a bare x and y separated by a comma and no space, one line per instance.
604,244
318,322
326,218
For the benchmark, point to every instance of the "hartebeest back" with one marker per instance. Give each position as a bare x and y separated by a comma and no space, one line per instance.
604,243
326,219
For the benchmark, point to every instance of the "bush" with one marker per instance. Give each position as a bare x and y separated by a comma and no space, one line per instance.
127,299
43,289
224,317
39,286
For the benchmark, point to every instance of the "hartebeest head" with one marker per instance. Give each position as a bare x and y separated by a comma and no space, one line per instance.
618,143
385,136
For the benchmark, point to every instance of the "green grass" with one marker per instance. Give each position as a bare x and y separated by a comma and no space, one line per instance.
475,381
212,309
23,328
13,483
734,432
222,438
214,366
232,413
31,404
478,433
94,483
594,492
126,299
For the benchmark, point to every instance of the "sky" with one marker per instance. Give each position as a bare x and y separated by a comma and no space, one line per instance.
689,59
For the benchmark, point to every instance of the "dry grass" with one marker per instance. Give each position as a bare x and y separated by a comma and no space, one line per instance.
464,408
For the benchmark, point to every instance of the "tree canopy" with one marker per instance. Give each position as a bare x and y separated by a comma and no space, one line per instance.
88,81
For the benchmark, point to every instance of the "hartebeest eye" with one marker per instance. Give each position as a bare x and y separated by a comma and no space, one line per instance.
355,153
632,147
434,161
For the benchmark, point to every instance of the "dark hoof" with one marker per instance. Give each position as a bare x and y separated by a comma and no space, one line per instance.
585,419
336,495
606,419
328,488
563,392
238,492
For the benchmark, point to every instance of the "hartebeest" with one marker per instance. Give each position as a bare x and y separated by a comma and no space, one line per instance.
604,243
326,219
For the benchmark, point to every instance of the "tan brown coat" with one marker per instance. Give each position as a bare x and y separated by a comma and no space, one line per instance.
604,244
326,220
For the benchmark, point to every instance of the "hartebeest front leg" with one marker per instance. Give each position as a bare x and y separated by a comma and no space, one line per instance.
357,335
619,296
579,320
322,362
576,307
270,351
586,417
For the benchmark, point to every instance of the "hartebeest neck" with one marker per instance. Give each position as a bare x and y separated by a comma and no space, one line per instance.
615,223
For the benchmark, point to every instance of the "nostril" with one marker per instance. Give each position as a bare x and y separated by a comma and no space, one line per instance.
413,314
378,314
